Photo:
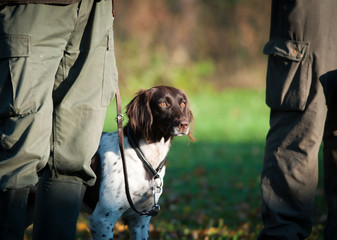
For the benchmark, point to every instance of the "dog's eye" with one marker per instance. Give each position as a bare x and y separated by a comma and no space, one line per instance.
163,104
183,105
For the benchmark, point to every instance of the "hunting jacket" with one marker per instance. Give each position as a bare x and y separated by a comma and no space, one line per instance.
14,2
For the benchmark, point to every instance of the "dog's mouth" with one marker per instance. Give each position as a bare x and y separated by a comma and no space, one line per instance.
178,133
180,129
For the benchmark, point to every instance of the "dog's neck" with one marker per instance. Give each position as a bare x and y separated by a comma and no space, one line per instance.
154,151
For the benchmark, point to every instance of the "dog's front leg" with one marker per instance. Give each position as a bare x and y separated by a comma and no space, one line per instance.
102,223
139,227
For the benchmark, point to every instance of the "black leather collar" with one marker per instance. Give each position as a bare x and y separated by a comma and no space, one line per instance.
140,154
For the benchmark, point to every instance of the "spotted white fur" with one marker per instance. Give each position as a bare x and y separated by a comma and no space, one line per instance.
112,202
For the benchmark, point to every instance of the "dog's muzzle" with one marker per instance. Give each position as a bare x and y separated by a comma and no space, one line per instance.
181,128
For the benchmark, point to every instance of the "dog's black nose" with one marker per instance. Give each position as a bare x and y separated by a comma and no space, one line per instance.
183,126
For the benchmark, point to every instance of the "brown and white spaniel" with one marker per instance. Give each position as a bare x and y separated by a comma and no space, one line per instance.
155,116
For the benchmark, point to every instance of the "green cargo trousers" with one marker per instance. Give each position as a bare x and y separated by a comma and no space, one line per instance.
58,75
302,95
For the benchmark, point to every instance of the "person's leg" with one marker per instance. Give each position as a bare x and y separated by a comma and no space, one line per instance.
297,101
330,158
85,84
28,64
57,206
300,57
29,59
290,171
13,205
290,168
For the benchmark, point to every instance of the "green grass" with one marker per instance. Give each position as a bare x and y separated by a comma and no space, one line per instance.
212,185
211,188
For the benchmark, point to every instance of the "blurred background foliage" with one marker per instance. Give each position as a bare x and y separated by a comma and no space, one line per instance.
191,44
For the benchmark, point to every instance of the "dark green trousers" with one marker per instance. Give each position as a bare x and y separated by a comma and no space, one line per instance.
301,92
58,75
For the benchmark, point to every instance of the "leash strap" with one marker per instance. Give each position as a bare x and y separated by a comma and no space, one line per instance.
119,120
113,9
140,154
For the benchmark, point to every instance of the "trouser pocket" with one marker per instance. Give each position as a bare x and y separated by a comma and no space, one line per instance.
288,75
16,87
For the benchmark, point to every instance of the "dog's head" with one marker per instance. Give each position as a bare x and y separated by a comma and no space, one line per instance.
160,112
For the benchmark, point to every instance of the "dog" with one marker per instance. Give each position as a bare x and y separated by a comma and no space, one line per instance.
156,116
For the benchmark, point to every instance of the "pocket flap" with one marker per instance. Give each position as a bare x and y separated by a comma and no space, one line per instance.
292,50
14,45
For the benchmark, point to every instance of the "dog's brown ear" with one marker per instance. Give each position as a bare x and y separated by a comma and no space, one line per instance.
190,118
139,113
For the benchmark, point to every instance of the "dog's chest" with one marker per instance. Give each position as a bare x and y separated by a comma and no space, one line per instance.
141,184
